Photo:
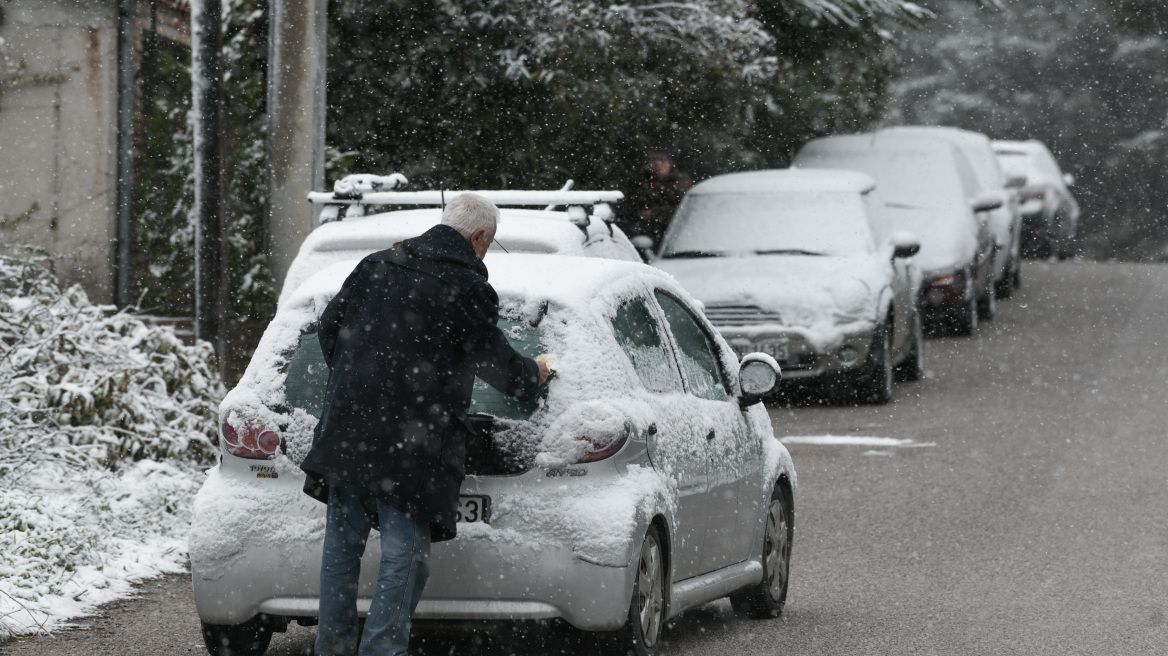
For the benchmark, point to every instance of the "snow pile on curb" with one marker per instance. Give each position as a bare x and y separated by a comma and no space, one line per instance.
104,423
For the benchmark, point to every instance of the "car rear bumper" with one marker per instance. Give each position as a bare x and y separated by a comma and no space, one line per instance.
805,358
483,574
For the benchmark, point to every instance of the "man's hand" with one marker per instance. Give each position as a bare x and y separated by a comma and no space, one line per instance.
543,371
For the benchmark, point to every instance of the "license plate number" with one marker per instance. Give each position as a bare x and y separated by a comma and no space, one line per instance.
776,348
473,509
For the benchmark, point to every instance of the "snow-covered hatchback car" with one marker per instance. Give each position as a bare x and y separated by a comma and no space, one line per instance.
803,265
353,223
646,481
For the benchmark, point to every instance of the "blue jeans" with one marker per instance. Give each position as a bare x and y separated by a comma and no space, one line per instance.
405,566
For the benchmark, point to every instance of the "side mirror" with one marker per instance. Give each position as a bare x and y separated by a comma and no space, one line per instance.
758,377
987,201
1068,179
1016,181
905,244
644,246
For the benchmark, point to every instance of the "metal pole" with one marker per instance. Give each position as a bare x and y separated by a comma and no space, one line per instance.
125,186
207,97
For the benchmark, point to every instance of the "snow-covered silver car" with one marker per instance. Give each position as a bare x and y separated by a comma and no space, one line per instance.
803,264
1005,222
1050,213
646,481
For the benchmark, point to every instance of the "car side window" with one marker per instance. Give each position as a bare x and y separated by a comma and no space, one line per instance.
698,358
639,336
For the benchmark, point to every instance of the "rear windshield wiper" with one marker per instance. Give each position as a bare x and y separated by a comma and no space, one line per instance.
787,251
683,254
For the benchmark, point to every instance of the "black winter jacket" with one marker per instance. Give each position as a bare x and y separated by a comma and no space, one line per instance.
404,339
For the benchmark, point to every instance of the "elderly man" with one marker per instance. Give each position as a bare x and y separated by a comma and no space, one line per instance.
404,339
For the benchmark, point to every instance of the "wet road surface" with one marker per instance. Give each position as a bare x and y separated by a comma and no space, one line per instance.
1037,524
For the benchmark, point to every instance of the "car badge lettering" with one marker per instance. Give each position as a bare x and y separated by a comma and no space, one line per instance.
265,471
566,471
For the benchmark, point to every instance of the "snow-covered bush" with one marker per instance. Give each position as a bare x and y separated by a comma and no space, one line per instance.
105,424
77,378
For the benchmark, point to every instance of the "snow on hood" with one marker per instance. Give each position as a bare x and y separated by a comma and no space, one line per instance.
948,235
823,296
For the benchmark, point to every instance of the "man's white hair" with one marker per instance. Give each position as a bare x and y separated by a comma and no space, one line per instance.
469,212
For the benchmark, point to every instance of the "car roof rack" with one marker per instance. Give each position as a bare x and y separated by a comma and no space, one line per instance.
357,193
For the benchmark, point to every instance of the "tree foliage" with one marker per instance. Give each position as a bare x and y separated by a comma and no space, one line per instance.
1087,77
516,93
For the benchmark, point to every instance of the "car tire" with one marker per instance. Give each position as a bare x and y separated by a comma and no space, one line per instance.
641,634
987,305
1005,287
766,598
965,319
873,384
913,366
1018,278
248,639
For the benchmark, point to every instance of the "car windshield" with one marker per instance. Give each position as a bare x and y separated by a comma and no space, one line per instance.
1015,163
788,223
307,376
904,177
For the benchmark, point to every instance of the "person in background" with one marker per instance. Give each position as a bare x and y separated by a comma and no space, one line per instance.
653,197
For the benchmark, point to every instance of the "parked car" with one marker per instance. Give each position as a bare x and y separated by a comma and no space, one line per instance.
1005,222
354,223
646,481
803,265
1050,214
930,190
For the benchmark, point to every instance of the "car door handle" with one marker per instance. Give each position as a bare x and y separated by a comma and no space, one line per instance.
712,434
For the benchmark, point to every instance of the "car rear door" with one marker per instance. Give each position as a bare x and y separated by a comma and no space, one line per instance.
674,444
733,459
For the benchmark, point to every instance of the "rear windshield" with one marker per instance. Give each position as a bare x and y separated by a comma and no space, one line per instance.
308,374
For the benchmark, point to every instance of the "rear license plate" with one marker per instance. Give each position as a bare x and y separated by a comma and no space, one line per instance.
474,509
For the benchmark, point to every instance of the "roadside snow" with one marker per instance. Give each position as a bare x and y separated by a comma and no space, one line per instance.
105,424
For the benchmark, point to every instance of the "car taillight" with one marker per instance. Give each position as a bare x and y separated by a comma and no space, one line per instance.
947,280
599,449
1033,192
248,438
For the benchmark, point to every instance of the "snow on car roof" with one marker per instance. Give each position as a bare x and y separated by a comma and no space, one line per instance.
529,231
520,230
787,180
569,280
1019,147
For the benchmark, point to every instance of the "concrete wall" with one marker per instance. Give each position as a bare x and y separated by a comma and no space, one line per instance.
58,141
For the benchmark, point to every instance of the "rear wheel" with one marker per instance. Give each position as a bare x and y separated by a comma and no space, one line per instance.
248,639
1005,287
642,632
987,305
965,319
913,366
874,382
767,598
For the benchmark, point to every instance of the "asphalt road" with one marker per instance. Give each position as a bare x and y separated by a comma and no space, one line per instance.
1036,524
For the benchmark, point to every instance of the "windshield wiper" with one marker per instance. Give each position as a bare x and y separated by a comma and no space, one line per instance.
787,251
683,254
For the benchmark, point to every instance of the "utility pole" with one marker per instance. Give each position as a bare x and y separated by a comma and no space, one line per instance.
296,122
207,96
125,187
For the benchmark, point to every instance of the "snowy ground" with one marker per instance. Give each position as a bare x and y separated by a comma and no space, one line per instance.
72,540
106,424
